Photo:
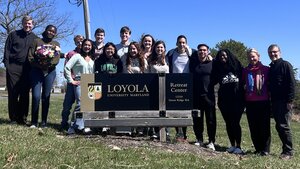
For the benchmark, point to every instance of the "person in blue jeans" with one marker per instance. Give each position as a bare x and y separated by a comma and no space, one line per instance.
80,63
71,89
44,55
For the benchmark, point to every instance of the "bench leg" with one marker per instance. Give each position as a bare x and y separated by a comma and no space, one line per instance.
162,134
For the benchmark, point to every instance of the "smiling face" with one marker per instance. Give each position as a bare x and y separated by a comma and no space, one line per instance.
202,53
181,44
50,32
160,49
133,50
147,42
274,53
253,57
223,57
27,25
109,51
87,46
125,36
100,37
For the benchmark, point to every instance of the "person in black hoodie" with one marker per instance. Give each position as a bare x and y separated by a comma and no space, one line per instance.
17,70
282,89
227,72
204,98
109,61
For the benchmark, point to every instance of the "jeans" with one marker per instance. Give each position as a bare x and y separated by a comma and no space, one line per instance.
41,86
73,94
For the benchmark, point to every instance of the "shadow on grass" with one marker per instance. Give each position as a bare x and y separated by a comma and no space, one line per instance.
49,125
4,121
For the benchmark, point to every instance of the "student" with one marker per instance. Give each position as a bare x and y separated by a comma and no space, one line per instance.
80,63
99,42
70,90
227,72
109,61
282,89
158,64
147,43
122,47
134,62
255,78
157,61
18,70
204,97
44,55
179,59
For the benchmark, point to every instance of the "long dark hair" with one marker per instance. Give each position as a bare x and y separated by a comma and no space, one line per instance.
154,57
139,56
232,64
142,41
115,56
91,52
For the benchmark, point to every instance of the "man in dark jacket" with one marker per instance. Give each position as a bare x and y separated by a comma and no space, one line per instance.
17,70
204,98
282,89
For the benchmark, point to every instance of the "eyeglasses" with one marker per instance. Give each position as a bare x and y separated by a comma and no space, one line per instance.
275,51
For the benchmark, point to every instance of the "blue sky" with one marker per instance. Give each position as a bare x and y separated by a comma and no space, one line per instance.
256,23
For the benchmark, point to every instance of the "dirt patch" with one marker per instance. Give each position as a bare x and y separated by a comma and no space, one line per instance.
124,142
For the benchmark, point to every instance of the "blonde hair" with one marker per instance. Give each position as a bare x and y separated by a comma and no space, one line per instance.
252,50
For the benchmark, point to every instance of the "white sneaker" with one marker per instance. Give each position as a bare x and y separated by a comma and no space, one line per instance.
198,143
238,151
231,149
33,126
211,146
87,130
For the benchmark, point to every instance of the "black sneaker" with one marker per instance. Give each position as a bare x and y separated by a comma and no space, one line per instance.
43,125
264,153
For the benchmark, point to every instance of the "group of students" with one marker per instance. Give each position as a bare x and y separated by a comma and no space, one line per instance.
256,87
260,89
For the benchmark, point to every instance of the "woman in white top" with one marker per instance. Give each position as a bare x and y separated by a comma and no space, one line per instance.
147,43
80,63
158,64
157,61
134,62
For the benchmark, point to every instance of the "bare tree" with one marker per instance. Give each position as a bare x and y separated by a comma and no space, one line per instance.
43,12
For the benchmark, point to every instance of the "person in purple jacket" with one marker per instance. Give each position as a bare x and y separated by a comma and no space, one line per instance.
255,76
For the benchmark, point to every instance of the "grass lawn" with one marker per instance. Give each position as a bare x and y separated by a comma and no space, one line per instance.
22,147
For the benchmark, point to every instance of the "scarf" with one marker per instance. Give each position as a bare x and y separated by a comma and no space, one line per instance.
255,78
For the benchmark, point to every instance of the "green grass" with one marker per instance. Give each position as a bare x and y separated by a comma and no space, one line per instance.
22,147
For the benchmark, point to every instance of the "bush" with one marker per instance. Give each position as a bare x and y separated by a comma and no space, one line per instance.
297,99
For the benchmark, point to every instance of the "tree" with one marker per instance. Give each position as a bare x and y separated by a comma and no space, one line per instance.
43,13
237,48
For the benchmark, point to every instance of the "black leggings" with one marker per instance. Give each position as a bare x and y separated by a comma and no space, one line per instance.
232,115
